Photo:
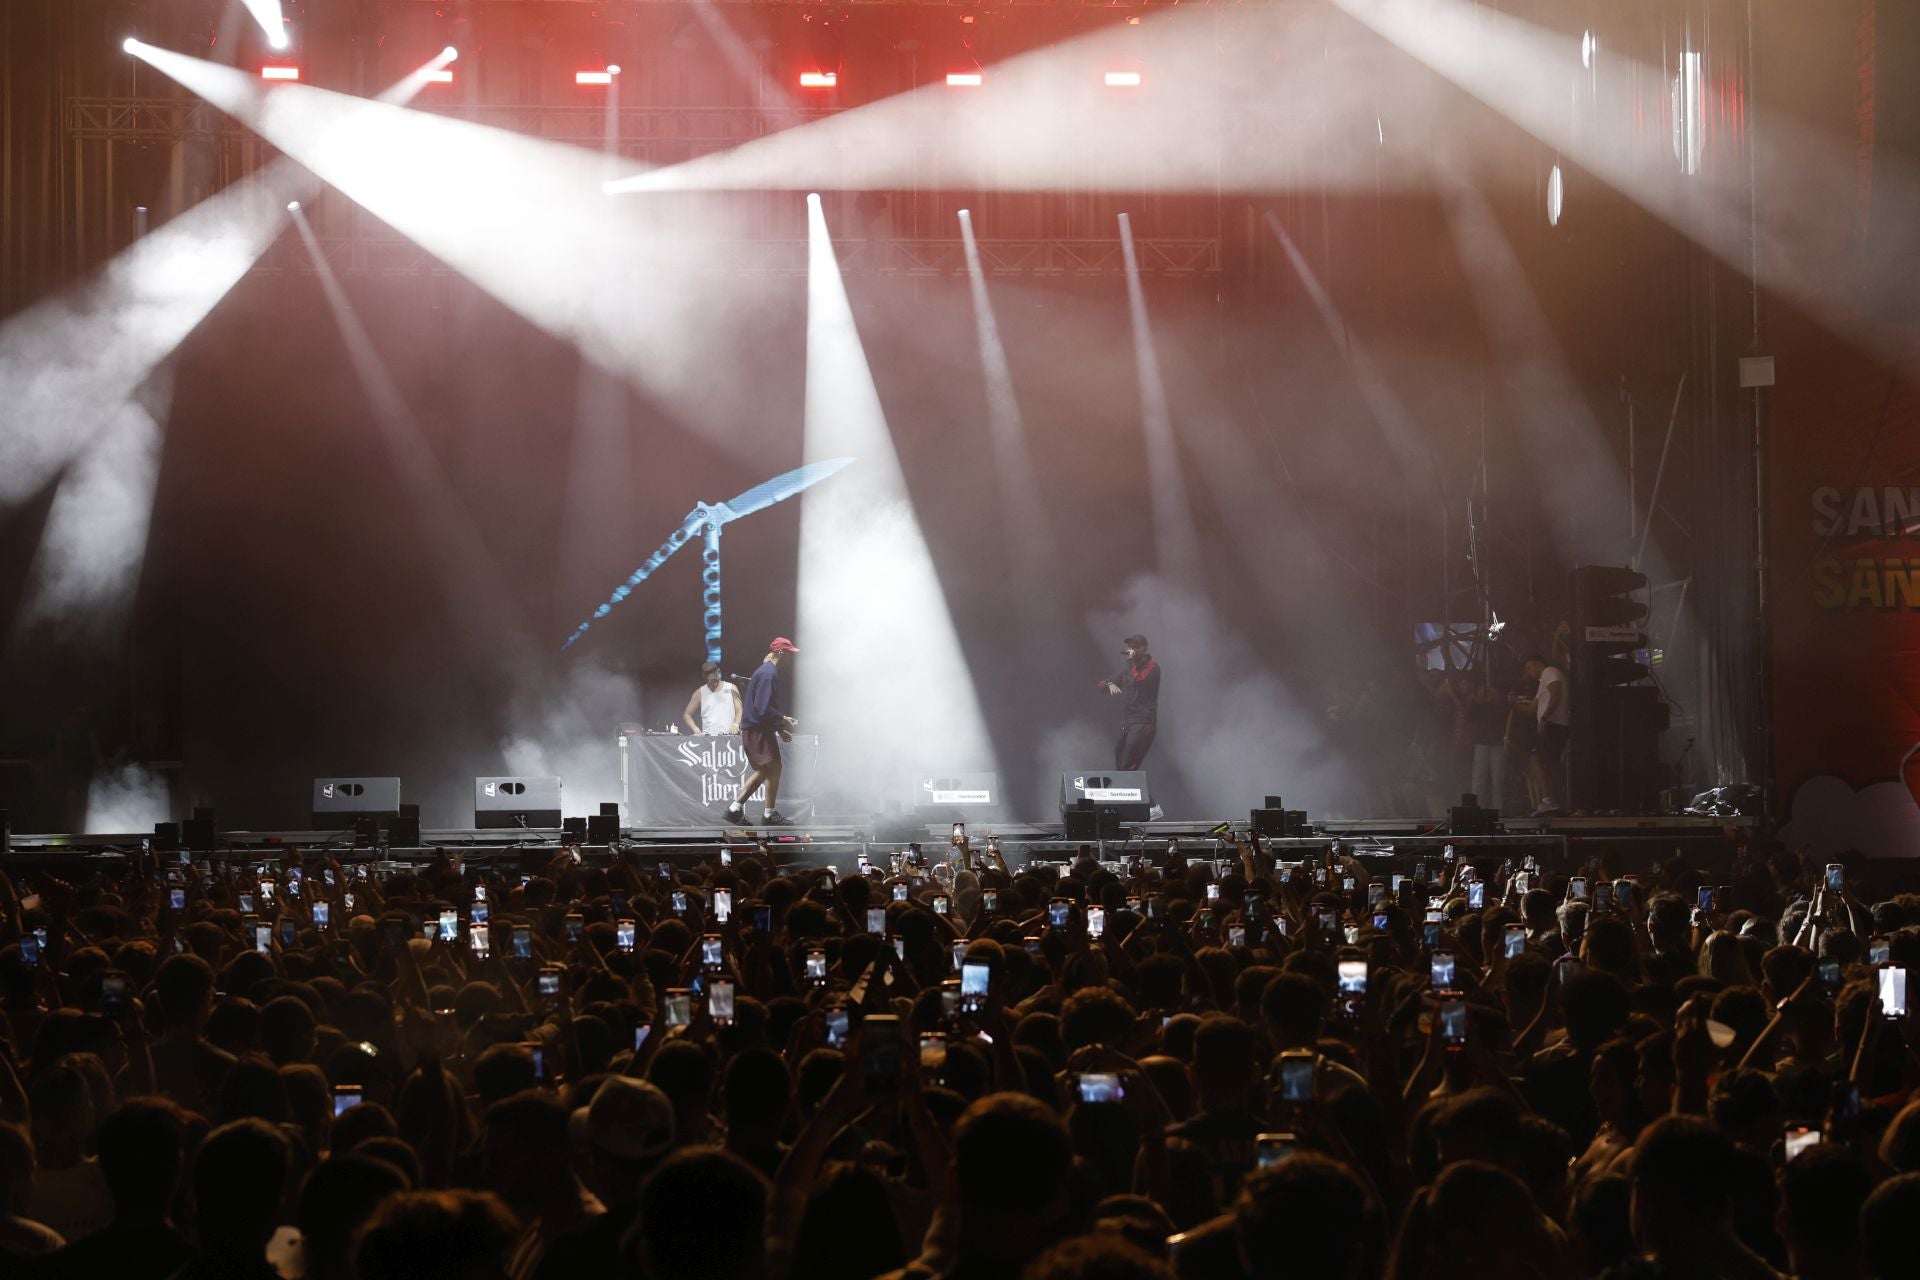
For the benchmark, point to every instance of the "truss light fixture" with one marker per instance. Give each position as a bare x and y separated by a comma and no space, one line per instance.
604,77
275,72
965,79
819,79
1123,79
442,76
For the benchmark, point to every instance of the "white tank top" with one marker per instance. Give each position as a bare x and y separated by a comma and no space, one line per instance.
716,709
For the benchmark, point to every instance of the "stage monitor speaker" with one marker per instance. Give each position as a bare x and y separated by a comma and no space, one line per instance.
366,830
404,831
516,802
1125,792
604,827
957,791
339,803
574,829
166,836
1088,821
1468,819
1276,822
196,833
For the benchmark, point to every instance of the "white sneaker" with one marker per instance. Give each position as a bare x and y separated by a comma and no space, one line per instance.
1546,810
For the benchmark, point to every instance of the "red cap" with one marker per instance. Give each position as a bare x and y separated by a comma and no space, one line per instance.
783,645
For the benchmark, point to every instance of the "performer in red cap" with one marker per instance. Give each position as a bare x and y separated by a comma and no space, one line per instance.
763,727
1138,685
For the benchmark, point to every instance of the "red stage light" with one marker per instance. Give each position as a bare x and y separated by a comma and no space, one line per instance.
279,73
819,79
1123,79
595,77
965,79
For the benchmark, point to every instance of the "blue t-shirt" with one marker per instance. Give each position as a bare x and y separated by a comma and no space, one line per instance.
761,712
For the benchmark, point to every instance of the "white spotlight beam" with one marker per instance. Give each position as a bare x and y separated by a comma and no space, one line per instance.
1173,531
1049,122
271,19
1803,241
522,218
881,664
409,87
467,576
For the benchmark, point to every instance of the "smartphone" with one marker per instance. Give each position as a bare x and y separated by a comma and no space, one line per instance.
1236,935
1453,1024
1098,1087
246,904
346,901
623,931
322,914
478,938
1346,884
1275,1147
1430,934
1893,992
289,931
449,926
723,905
1442,970
1447,853
989,900
1296,1076
177,899
817,968
720,1002
1879,952
1380,922
522,942
837,1024
1799,1138
679,1007
1836,879
113,994
345,1096
550,984
1577,889
1603,896
478,913
575,926
1096,921
1830,975
1205,918
29,951
876,919
1059,913
1213,891
539,1062
959,832
679,902
1513,940
1477,895
1703,899
666,870
262,938
880,1052
1569,969
941,904
763,918
1156,906
933,1051
1623,894
712,951
327,874
1353,988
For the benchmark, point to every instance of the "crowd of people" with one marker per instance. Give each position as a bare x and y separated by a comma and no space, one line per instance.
1230,1066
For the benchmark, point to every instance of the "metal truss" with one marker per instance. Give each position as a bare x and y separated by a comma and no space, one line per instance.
1038,258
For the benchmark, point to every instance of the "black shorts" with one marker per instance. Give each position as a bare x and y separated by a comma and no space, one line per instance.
1551,742
762,747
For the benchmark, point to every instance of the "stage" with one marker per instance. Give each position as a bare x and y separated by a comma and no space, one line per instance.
1623,843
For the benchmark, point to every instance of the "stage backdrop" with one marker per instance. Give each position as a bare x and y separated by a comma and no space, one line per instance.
1843,432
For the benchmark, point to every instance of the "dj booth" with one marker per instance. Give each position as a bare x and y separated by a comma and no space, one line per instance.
688,780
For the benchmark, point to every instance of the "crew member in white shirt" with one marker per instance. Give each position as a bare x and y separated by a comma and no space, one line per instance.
718,703
1551,717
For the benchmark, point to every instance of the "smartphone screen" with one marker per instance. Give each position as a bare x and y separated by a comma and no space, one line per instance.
1213,891
576,926
679,1007
322,914
933,1051
817,967
29,951
449,926
1603,896
1879,952
974,979
262,938
1236,935
723,905
1703,898
720,1002
837,1024
1577,888
1893,992
549,985
246,904
522,942
712,952
1799,1138
1477,895
1098,1087
1275,1147
1836,878
289,932
178,899
1453,1023
1096,921
1515,940
876,919
345,1096
1060,912
113,994
679,902
1442,970
1296,1078
478,938
1353,987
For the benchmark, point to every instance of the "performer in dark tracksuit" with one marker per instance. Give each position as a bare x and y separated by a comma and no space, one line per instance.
763,727
1139,685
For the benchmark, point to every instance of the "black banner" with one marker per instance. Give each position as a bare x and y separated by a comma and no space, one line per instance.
687,780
